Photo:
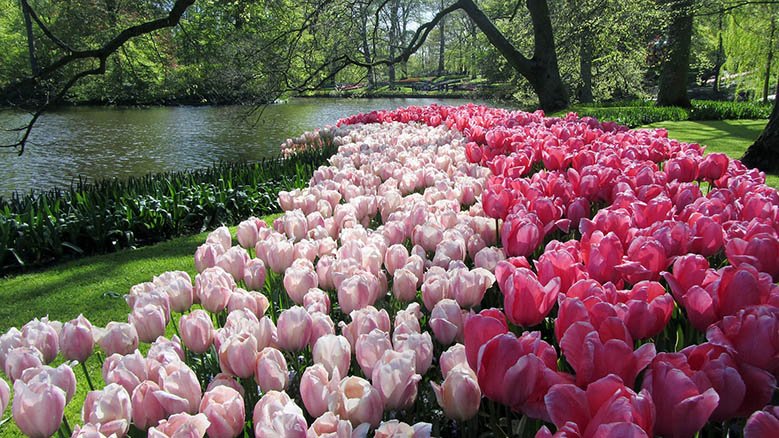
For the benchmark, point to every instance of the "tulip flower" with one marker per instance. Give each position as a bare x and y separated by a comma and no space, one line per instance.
763,423
528,302
395,428
224,408
271,373
41,335
254,273
117,337
294,329
38,408
197,331
739,333
181,425
76,340
357,401
480,328
148,405
459,395
5,396
182,389
178,286
238,355
128,370
62,377
8,341
277,415
248,232
446,321
329,425
395,378
334,352
20,359
298,279
111,408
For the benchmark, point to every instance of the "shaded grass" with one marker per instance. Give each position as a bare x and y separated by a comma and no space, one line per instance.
731,137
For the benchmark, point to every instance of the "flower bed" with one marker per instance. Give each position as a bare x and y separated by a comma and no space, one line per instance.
516,273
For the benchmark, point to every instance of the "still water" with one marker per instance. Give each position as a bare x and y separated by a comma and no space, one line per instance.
100,142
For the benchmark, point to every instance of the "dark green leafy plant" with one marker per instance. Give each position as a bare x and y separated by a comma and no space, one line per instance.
41,228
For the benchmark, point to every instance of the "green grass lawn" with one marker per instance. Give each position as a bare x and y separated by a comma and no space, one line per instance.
731,137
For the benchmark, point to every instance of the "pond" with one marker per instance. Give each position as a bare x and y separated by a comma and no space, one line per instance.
103,142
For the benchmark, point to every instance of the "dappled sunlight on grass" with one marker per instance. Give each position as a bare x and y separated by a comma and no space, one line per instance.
731,137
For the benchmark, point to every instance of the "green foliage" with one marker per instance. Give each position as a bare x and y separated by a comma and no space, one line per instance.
104,216
637,113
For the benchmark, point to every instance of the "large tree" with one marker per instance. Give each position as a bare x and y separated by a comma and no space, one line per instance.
764,152
673,76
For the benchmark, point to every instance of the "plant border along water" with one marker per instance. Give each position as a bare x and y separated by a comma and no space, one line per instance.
41,228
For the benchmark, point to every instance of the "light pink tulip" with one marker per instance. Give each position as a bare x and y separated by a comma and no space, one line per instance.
76,339
62,377
357,401
155,297
370,347
128,370
221,236
5,396
182,389
148,405
178,286
225,380
248,232
213,288
316,300
459,395
238,355
38,408
358,291
206,256
294,329
234,262
395,258
280,256
40,334
277,415
298,279
404,285
334,352
306,250
435,287
271,372
20,359
225,411
252,301
396,428
8,341
446,321
488,258
328,425
395,379
419,343
452,358
254,274
197,331
149,322
110,407
363,321
324,272
295,224
87,431
315,389
181,425
321,325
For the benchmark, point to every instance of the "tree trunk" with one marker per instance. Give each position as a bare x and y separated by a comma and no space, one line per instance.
541,70
585,66
673,77
720,54
366,50
441,45
769,59
764,152
393,39
30,39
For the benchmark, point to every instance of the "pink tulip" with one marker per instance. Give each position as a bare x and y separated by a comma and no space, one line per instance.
316,300
488,258
155,297
225,380
197,331
280,255
76,339
5,396
647,309
225,411
87,431
315,389
518,372
271,372
601,253
357,401
20,359
38,408
480,328
459,395
682,409
446,321
148,405
182,389
181,425
363,321
419,343
41,335
521,234
707,236
248,232
238,355
453,357
206,256
395,258
396,428
328,425
8,341
234,262
111,408
606,408
404,285
298,279
62,377
761,251
713,166
358,291
128,370
436,287
468,287
688,271
561,264
277,415
763,423
395,378
334,352
220,236
254,274
149,322
178,286
213,288
739,333
294,329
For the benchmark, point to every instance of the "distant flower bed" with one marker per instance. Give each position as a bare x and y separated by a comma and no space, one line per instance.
514,273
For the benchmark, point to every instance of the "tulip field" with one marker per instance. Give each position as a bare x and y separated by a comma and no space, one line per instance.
453,271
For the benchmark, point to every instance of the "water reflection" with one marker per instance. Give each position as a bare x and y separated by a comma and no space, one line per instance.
120,142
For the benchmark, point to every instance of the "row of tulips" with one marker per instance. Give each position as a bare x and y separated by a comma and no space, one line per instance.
412,279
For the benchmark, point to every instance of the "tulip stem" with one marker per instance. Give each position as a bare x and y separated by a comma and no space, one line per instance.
67,426
61,433
86,373
175,325
497,233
